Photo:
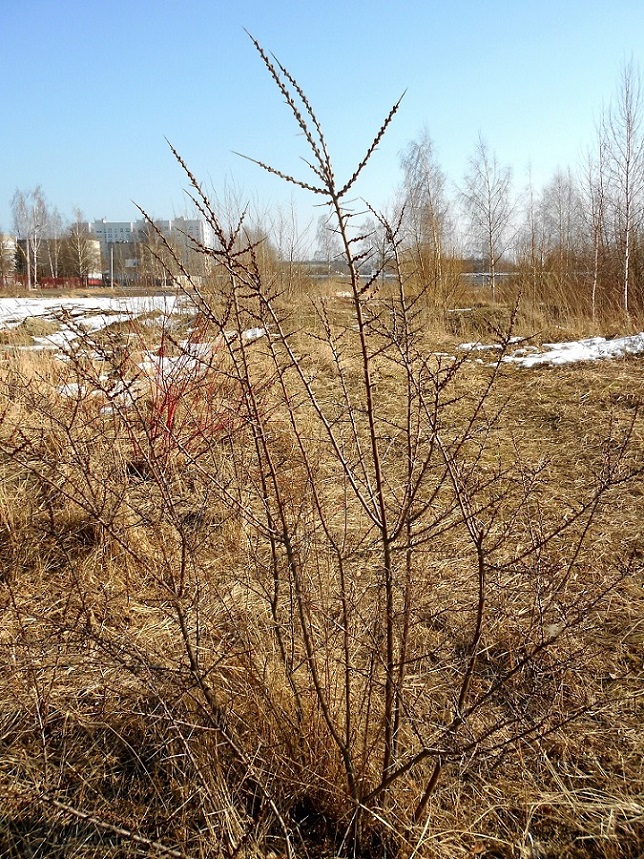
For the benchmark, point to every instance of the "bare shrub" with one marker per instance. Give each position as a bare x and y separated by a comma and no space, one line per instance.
310,589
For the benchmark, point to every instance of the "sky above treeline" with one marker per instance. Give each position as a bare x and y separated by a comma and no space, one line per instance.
91,91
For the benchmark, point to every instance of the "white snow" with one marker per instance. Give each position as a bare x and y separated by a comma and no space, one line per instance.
13,311
571,352
591,349
165,368
477,346
253,334
89,314
480,347
78,315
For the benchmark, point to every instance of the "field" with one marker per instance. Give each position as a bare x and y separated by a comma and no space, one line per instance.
309,578
355,569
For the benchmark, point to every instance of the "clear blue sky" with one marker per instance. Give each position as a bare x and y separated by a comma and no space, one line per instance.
90,90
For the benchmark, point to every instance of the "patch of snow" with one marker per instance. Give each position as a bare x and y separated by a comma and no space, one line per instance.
165,367
477,346
58,340
590,349
83,315
253,333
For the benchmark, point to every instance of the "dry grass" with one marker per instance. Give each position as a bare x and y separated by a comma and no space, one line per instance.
109,744
329,592
23,334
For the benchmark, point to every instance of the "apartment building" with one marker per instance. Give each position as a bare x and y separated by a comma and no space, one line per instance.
8,249
123,244
111,232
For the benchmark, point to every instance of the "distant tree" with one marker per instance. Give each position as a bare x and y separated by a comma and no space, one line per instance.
623,142
561,214
39,222
30,217
427,213
289,240
329,247
530,243
55,230
79,252
551,245
7,257
594,214
489,207
22,225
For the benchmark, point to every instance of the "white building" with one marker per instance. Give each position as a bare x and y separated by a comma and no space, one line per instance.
8,247
186,229
118,240
109,232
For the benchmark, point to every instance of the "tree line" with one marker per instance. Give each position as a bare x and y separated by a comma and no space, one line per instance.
577,243
46,245
48,248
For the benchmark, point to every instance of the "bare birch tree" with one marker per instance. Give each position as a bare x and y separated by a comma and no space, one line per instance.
80,254
21,215
624,147
427,212
30,217
39,221
54,241
489,207
594,212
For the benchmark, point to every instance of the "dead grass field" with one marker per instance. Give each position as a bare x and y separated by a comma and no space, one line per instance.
197,618
304,579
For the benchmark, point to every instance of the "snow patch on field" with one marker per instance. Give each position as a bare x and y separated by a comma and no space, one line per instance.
557,354
13,311
591,349
76,316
